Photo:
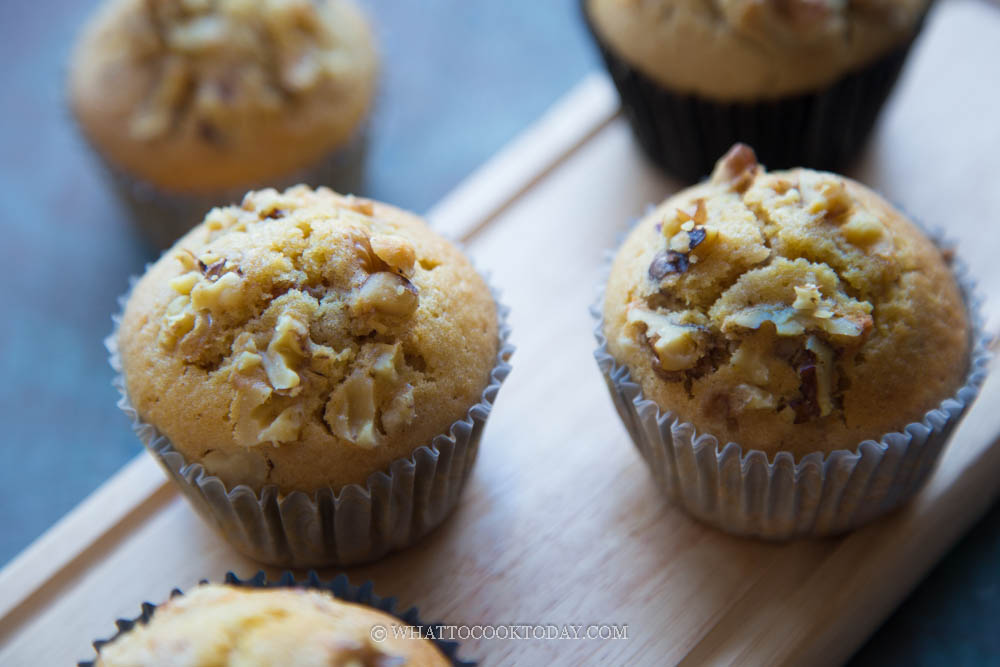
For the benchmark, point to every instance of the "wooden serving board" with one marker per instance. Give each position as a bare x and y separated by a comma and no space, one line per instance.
560,523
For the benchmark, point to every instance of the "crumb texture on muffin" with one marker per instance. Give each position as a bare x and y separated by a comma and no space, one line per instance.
223,92
217,625
793,310
748,50
305,338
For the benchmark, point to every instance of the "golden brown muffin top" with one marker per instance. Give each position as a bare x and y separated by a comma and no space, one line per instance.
196,95
751,50
786,311
227,626
307,339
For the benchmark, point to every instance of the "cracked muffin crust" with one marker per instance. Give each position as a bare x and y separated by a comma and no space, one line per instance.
224,625
786,311
748,50
201,95
307,339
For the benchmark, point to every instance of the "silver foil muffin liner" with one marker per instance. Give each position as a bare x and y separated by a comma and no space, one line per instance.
164,216
741,492
340,587
356,524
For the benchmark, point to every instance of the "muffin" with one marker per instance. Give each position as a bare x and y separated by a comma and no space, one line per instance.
800,80
325,354
217,624
790,317
192,103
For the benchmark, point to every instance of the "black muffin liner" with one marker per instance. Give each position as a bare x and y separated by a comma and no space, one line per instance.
685,134
339,586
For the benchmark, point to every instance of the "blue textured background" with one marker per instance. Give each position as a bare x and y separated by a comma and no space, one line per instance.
460,78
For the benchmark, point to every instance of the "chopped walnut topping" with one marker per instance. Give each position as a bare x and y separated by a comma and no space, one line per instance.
350,412
750,397
863,229
395,251
666,262
359,205
212,60
825,195
823,359
183,284
789,321
678,345
688,241
217,295
737,168
387,293
371,394
284,352
806,406
815,367
300,322
808,299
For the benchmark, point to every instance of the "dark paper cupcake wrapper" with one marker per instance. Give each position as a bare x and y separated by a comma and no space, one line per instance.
685,134
340,587
358,523
742,492
164,216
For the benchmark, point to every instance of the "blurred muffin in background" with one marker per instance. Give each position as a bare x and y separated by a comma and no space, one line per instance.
193,102
802,81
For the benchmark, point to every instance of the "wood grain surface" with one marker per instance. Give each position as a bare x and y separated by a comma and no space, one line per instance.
560,523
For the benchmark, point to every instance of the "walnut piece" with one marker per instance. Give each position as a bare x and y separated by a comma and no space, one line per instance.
387,293
350,411
688,241
863,229
823,356
370,396
217,295
750,397
678,345
667,262
737,168
284,352
395,251
824,195
788,321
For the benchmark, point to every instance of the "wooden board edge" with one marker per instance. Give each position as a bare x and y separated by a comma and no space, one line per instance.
487,191
957,495
57,548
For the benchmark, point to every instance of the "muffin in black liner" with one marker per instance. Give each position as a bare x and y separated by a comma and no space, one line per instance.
684,134
340,587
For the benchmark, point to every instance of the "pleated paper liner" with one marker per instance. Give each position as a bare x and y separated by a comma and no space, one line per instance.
355,524
684,134
741,491
340,587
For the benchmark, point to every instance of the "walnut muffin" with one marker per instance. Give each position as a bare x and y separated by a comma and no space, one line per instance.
697,76
226,625
749,50
790,311
306,340
198,96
